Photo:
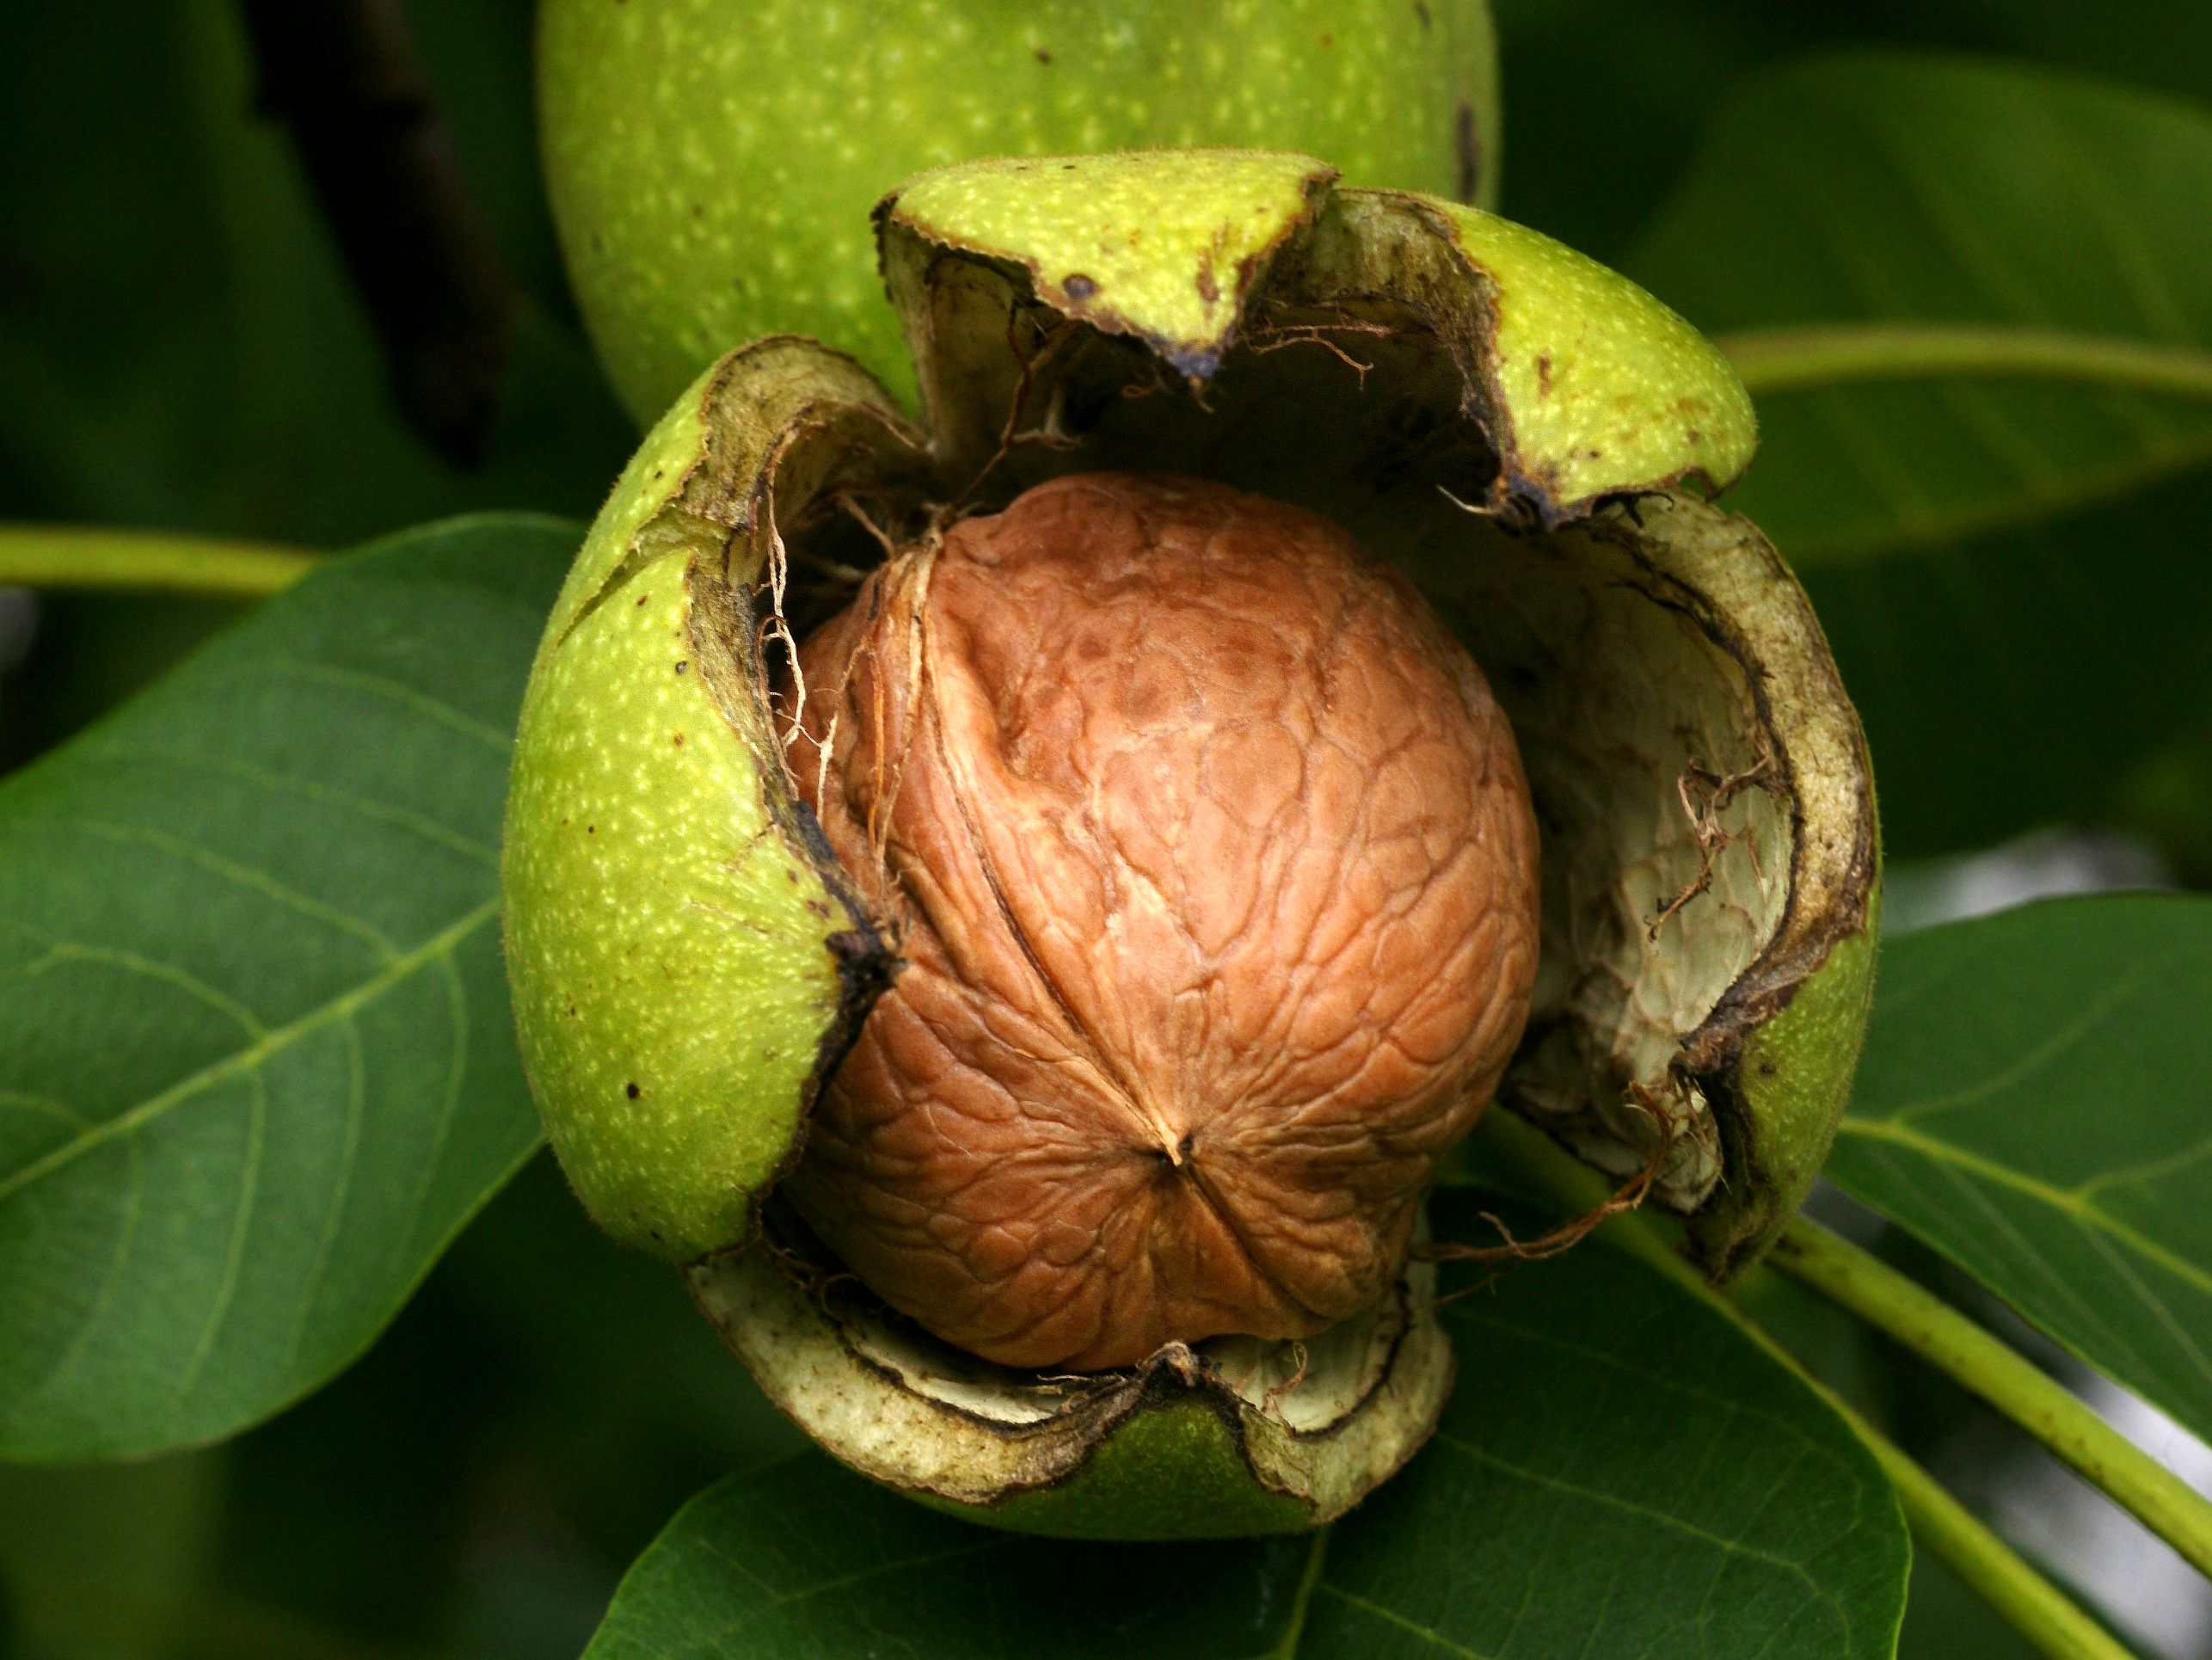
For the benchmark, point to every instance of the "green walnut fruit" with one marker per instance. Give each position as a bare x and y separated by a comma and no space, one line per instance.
712,163
1018,906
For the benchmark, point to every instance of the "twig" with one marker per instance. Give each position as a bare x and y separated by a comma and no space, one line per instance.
343,76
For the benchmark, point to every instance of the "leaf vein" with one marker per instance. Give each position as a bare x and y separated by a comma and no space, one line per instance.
234,1254
2072,1203
1392,1617
400,818
437,947
1630,1507
245,876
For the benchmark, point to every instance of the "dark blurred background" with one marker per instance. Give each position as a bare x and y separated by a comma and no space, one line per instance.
182,348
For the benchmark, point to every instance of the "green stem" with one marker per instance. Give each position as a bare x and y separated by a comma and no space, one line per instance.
67,557
1823,354
1955,1345
1997,1573
1993,1570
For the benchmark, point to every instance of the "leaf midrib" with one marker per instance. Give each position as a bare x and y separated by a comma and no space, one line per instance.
271,1042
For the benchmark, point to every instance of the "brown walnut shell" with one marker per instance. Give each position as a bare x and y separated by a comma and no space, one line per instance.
1215,878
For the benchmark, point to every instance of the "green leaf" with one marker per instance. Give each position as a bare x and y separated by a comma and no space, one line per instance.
2008,563
1946,192
806,1558
1619,1471
2032,1104
255,1068
1608,98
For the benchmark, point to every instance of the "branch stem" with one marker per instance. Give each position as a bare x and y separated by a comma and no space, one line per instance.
1826,354
1856,1280
101,559
2007,1582
1993,1570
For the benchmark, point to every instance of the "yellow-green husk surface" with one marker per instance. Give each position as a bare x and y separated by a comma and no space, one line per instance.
712,163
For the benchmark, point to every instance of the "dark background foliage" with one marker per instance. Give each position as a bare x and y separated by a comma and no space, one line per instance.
180,347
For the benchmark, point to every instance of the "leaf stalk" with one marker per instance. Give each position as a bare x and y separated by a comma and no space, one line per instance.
1857,1282
1815,355
101,559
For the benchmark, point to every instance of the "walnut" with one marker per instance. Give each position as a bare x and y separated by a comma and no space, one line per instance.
1214,875
1189,927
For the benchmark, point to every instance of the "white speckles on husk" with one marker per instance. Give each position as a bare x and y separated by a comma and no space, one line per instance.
679,951
712,163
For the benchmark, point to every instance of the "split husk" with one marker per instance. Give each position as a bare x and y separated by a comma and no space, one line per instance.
1530,437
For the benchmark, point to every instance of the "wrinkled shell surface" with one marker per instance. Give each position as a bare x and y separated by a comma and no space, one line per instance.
1215,876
